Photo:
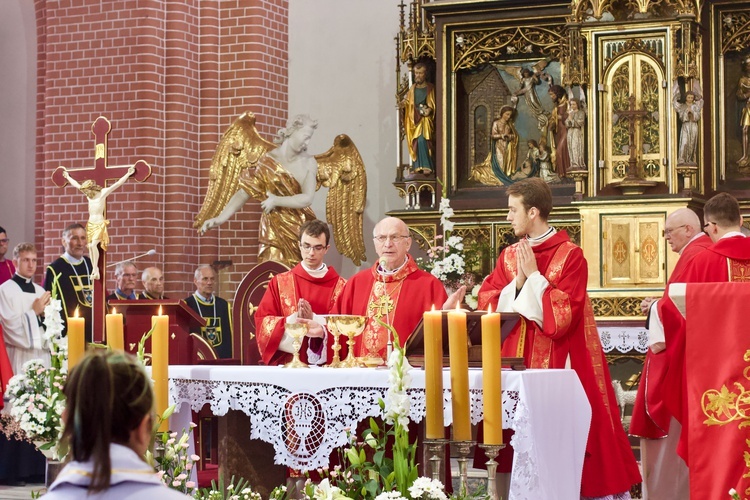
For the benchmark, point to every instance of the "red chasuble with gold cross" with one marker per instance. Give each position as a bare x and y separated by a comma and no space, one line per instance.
569,330
399,300
280,300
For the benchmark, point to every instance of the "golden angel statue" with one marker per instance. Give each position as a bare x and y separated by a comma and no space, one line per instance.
284,179
528,79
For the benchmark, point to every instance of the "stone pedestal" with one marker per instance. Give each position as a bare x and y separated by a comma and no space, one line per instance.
247,458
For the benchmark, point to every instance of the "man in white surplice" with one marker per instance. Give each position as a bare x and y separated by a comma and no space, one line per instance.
22,304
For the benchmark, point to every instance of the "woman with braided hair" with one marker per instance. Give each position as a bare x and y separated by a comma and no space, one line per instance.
109,417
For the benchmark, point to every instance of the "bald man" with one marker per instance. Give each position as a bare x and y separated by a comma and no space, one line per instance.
665,474
153,284
394,290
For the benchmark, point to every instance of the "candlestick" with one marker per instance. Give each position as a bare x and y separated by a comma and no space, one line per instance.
115,337
491,379
160,364
459,359
433,369
76,341
491,451
436,452
464,448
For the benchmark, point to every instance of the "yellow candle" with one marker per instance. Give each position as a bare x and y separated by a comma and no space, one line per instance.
160,364
115,337
459,358
491,379
76,339
433,373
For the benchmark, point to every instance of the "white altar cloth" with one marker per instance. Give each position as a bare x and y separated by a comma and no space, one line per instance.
548,409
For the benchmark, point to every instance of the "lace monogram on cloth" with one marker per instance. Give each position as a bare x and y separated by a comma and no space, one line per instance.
305,428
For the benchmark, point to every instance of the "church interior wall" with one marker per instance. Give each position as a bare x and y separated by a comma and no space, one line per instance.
341,72
170,77
17,122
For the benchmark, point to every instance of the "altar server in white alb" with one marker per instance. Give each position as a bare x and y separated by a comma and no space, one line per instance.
22,304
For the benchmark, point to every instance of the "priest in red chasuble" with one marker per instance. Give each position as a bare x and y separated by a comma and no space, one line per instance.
394,290
303,294
665,474
543,278
727,259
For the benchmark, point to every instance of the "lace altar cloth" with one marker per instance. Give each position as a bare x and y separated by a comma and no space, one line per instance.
624,339
305,414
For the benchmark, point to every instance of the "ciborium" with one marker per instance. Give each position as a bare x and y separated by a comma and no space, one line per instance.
297,331
351,326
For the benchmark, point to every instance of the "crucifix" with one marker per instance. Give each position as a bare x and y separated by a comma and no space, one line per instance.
633,115
92,182
633,183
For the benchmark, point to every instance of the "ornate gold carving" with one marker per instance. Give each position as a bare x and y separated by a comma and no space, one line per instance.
425,234
653,47
477,247
474,48
735,32
416,40
620,169
642,6
620,103
620,251
575,70
573,230
504,236
616,306
579,9
649,102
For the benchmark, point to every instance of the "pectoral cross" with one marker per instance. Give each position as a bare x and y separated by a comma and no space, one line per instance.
382,306
100,174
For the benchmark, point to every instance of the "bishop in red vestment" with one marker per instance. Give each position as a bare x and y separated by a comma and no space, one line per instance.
665,474
305,293
543,277
394,291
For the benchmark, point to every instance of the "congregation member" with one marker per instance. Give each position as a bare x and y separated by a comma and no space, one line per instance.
153,284
394,290
543,278
7,270
69,278
665,474
108,424
305,293
22,304
214,309
126,275
727,259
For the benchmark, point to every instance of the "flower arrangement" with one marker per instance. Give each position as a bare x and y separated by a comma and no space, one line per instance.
239,491
36,394
172,461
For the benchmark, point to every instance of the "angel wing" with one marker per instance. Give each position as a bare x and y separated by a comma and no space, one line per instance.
342,170
539,66
239,148
514,71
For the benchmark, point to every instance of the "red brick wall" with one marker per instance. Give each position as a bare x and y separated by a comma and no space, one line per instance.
170,77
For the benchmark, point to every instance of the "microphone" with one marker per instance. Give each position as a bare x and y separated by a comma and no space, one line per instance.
150,252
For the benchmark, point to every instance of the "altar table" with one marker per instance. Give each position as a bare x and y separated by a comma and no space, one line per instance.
548,409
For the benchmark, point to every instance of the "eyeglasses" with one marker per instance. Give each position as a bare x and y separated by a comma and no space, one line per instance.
669,231
4,241
707,223
317,248
395,239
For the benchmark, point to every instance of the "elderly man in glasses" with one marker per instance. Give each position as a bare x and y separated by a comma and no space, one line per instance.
303,294
665,474
394,291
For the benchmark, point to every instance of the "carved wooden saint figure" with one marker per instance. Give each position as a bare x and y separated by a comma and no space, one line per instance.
575,123
690,114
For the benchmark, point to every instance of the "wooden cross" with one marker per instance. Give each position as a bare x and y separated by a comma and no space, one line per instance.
101,173
633,115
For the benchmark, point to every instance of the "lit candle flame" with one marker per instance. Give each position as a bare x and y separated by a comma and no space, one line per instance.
160,311
75,315
458,306
114,310
489,308
433,307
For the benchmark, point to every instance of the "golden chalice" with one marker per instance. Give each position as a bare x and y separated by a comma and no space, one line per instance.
351,326
297,331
